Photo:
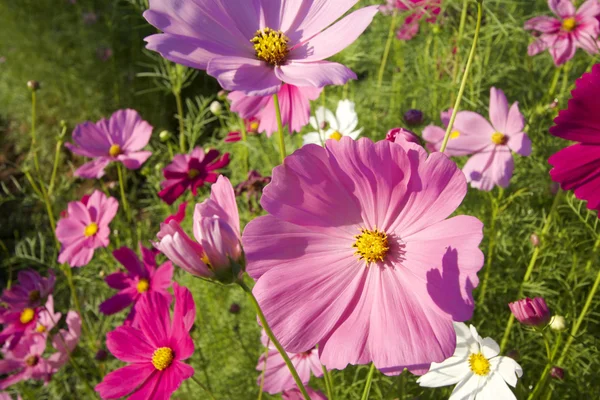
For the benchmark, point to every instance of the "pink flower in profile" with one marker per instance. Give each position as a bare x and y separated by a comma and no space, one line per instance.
190,171
577,167
296,394
417,10
30,291
356,245
252,46
217,251
492,163
65,341
276,373
142,279
531,312
154,352
85,228
120,138
25,361
574,29
294,103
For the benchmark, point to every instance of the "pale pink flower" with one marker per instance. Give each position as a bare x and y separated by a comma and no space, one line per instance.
25,361
459,143
65,341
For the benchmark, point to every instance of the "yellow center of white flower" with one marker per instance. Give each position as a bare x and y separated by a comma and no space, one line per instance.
27,315
271,46
162,358
371,246
454,134
91,229
499,138
569,24
336,136
114,150
143,286
479,364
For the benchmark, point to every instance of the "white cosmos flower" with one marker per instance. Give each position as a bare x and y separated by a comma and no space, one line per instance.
476,368
330,126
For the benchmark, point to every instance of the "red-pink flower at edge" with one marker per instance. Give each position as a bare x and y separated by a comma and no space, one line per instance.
121,138
153,352
358,244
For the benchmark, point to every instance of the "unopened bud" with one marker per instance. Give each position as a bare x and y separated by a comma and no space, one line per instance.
413,117
33,85
557,323
557,373
535,240
101,355
164,136
222,95
216,108
234,308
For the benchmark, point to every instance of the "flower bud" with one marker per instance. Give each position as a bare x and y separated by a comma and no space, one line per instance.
557,373
558,323
101,355
164,136
33,85
234,308
413,117
535,240
222,95
532,312
408,135
216,108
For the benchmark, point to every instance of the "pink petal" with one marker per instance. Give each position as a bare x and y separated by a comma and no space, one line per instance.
248,75
170,380
543,24
589,9
493,166
473,124
221,204
563,8
163,276
90,140
129,259
247,106
184,313
317,74
498,109
125,380
129,130
130,345
149,387
118,302
93,169
155,319
134,160
520,144
183,251
562,50
515,123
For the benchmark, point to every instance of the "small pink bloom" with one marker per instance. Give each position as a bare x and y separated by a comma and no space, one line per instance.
30,291
577,167
408,135
142,279
190,171
120,138
358,244
531,312
252,125
65,341
573,29
254,46
415,10
296,394
153,352
294,103
233,137
459,143
20,323
25,361
47,318
85,228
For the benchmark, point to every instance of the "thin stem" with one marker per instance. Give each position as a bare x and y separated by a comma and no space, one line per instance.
54,167
328,385
182,144
122,186
463,83
262,375
554,82
272,337
204,388
386,51
491,248
365,394
461,31
245,140
69,275
279,127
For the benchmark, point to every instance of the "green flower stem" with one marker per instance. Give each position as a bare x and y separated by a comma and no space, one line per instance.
491,246
272,337
182,144
122,186
461,31
365,395
245,140
386,51
463,83
69,275
262,375
55,166
542,382
328,383
280,127
203,388
557,72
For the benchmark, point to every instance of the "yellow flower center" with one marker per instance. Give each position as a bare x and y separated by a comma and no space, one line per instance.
271,46
34,296
254,126
91,229
40,328
143,286
192,173
205,260
454,134
162,358
569,24
499,138
32,361
336,136
479,364
114,150
371,246
27,315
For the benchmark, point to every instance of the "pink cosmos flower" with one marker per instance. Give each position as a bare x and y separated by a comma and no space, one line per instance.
459,143
217,251
142,279
492,163
407,134
296,394
577,167
276,373
252,46
120,138
65,341
85,228
531,312
30,291
417,10
25,362
154,352
190,171
358,245
6,396
294,103
179,216
23,322
47,318
574,29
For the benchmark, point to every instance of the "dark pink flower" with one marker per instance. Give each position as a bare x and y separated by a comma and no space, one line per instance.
20,323
154,352
120,138
233,137
533,312
252,125
85,228
25,361
179,216
142,279
252,187
415,10
30,291
574,29
577,167
408,135
191,171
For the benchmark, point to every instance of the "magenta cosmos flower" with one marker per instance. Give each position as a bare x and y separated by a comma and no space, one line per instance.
30,291
154,352
252,46
574,29
531,312
491,144
191,171
142,279
85,228
20,323
25,362
358,245
294,103
120,138
577,167
416,10
407,134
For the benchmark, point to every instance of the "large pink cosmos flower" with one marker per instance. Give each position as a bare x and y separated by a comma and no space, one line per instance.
574,29
25,361
191,171
120,138
142,279
85,228
217,251
276,373
31,291
577,167
358,245
491,144
294,103
253,46
154,352
417,9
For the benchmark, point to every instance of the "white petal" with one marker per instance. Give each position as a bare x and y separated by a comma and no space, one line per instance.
467,388
449,372
354,135
311,137
489,348
313,123
495,388
346,116
507,368
465,342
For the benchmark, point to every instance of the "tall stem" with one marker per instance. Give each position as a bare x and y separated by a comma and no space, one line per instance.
491,248
69,275
122,186
386,51
461,31
282,153
541,384
273,339
463,83
262,375
182,144
365,395
328,385
246,152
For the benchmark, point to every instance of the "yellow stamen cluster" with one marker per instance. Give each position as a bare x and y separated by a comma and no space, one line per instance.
205,260
271,46
499,138
192,173
254,126
91,229
143,285
336,136
40,328
27,315
32,361
371,246
569,24
162,358
479,364
114,150
454,134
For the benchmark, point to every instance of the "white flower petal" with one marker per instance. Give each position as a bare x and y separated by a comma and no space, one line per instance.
449,372
489,348
467,388
346,116
507,368
311,138
495,388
